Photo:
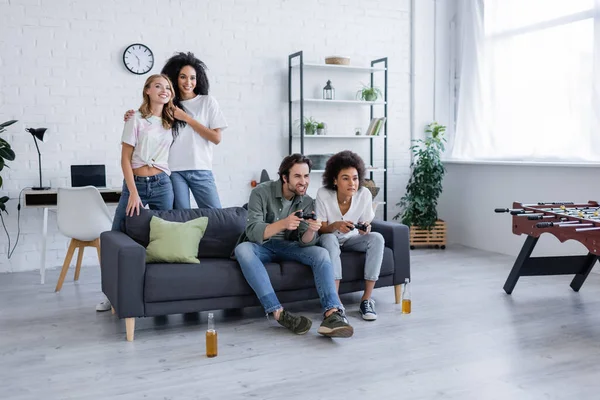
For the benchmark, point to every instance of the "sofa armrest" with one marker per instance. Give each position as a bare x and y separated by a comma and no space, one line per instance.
396,237
123,268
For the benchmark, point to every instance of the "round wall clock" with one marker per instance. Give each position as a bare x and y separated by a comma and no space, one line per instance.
138,58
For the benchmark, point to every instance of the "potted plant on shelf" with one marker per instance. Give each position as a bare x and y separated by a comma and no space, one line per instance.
418,207
368,93
321,128
310,125
6,154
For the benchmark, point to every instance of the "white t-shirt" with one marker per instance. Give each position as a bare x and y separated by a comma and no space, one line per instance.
151,142
328,209
190,151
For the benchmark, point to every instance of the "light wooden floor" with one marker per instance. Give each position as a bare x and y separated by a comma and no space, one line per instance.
466,339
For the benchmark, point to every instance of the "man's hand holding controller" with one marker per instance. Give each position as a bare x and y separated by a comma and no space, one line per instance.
311,219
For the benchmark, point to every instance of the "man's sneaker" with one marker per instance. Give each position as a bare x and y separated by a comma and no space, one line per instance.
367,310
336,326
295,323
104,306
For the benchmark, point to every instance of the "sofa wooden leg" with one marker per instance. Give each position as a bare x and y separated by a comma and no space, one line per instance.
112,310
130,327
398,293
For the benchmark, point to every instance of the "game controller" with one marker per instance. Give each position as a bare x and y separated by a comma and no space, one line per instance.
300,214
360,227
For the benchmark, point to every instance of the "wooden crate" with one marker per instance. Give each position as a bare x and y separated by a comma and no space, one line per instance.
434,237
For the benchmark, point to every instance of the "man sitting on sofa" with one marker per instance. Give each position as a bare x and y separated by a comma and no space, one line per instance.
274,231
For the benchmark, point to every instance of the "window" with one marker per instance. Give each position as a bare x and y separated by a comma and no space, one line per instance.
528,82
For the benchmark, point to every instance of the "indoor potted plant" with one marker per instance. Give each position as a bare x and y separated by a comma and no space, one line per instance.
368,93
321,128
6,154
418,207
310,125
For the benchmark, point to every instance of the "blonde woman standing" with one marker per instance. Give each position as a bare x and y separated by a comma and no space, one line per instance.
146,141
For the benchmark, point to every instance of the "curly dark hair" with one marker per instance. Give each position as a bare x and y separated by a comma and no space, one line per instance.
291,160
342,160
172,68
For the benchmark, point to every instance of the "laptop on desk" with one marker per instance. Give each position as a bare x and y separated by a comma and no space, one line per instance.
88,175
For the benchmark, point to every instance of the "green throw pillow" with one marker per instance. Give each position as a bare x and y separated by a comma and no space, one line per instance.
175,242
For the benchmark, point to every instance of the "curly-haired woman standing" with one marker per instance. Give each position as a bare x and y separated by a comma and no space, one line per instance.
341,203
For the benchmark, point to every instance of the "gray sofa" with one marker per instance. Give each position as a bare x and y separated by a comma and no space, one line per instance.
137,289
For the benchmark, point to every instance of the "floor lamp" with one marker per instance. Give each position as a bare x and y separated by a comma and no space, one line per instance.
38,134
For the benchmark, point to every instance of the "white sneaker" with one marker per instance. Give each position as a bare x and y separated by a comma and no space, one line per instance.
104,306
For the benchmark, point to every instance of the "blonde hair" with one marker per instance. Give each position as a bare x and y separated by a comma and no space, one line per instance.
168,116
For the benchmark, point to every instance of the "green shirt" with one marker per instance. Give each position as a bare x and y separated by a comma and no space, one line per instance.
265,207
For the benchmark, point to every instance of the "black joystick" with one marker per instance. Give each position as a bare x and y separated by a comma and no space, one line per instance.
300,214
360,227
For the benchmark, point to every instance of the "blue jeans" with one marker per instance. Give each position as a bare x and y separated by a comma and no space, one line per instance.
252,258
372,244
203,187
155,191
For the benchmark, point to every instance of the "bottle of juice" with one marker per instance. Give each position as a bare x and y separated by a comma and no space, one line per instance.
211,337
406,305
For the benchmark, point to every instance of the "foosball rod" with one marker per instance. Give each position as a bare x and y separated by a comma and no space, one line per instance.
568,224
572,209
553,203
588,229
557,206
538,216
513,211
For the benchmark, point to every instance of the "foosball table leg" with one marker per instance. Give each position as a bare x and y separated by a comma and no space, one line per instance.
524,254
577,282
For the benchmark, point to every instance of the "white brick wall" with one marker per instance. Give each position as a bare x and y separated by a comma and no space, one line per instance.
61,68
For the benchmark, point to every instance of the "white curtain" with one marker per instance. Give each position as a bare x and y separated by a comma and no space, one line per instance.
529,81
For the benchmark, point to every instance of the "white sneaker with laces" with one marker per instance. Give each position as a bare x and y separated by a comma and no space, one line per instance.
104,306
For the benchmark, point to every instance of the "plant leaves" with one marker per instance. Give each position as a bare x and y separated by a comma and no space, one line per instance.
7,153
7,123
418,206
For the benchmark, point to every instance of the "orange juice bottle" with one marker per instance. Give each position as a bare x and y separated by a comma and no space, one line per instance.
211,337
406,305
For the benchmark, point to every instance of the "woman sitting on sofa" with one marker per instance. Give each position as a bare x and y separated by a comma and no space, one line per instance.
346,208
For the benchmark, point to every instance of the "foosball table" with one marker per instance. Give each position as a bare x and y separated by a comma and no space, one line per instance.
565,221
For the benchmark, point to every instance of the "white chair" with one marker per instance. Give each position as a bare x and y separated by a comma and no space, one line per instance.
82,216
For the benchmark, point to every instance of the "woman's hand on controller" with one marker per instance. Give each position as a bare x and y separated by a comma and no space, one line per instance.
343,226
367,230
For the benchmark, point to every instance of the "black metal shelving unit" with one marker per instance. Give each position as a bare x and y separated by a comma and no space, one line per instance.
296,60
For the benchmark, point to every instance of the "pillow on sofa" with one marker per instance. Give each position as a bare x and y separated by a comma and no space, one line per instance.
175,242
225,225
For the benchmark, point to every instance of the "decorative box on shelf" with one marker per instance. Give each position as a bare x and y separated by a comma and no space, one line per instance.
424,237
